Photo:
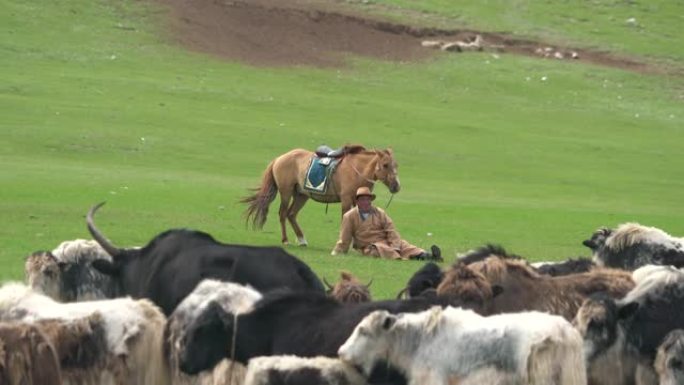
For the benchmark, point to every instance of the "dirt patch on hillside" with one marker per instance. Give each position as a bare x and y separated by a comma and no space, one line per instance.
323,34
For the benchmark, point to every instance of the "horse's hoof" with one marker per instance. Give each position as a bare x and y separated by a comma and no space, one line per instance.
303,242
286,243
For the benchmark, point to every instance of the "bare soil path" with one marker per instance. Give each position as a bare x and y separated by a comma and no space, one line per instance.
275,33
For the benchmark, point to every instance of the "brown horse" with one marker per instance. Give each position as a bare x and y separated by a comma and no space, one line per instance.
286,173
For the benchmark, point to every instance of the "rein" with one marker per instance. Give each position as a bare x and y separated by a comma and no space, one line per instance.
389,201
332,180
372,182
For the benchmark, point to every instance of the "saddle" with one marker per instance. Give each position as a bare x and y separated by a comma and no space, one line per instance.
324,151
321,168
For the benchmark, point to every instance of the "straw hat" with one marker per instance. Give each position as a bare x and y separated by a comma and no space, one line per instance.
364,191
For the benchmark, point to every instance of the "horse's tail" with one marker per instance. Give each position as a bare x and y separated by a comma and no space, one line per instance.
257,211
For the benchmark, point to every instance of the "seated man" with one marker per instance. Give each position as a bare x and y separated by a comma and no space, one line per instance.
372,232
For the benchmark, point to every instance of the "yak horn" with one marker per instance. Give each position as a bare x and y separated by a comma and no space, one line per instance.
368,285
98,236
401,293
327,283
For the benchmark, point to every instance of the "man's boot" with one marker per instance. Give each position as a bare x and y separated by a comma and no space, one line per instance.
436,253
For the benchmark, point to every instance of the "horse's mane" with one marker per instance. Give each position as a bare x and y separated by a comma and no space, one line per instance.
353,148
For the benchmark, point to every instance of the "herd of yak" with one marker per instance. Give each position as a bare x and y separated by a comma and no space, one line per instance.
187,309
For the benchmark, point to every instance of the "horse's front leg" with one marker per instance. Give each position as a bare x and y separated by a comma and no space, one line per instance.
347,203
297,204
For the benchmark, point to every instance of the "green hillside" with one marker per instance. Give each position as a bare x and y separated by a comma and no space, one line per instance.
97,105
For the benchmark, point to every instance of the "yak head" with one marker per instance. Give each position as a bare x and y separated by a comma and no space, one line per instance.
669,362
598,319
349,289
44,274
207,340
598,239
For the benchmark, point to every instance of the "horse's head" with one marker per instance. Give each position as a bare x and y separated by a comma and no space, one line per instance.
386,170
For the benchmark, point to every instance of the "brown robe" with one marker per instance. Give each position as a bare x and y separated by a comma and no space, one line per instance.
375,236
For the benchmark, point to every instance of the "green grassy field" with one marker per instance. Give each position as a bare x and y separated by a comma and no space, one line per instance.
628,27
531,154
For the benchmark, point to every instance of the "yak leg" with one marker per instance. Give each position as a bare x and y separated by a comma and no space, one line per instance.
282,213
297,204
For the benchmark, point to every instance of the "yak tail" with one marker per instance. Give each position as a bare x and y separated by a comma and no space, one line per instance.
257,209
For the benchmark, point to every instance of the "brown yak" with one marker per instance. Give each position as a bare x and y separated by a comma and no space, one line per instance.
463,285
525,289
349,289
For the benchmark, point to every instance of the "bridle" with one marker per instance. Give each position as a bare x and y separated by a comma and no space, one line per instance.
372,182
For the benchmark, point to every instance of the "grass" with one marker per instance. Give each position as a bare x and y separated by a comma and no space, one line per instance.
531,154
628,27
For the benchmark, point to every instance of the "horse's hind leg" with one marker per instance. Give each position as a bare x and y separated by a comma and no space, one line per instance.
297,204
283,214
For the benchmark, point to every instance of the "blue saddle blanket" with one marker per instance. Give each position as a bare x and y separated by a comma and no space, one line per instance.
319,174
